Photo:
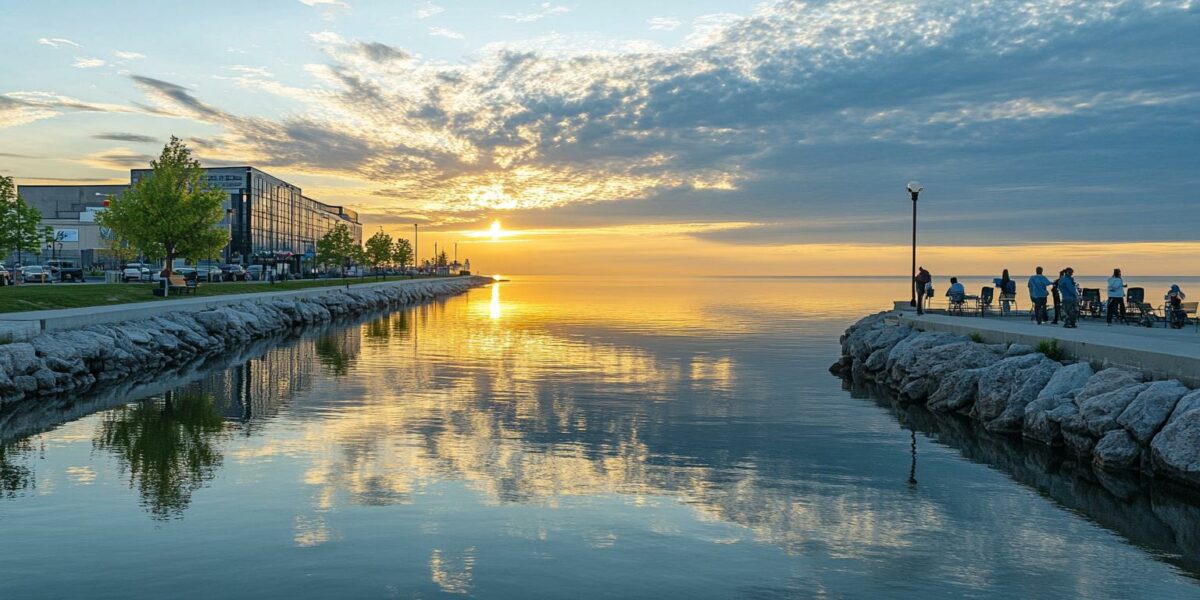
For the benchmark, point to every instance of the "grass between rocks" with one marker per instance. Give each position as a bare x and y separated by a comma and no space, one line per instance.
72,295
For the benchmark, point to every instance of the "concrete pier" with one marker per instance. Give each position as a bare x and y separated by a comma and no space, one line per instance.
1161,353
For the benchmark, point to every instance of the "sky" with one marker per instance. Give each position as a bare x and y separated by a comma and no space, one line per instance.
699,137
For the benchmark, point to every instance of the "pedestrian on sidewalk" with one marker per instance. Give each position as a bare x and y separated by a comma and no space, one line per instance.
1038,294
923,280
1116,296
1175,299
1057,299
1070,298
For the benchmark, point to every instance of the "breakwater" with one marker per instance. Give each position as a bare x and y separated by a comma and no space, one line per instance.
77,360
1116,416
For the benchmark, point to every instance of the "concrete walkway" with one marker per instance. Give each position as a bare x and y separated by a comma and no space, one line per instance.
1161,352
20,326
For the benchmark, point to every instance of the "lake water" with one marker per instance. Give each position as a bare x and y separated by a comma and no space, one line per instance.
563,438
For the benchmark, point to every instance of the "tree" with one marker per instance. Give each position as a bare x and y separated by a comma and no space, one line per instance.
19,221
402,253
172,213
336,248
119,249
441,260
379,250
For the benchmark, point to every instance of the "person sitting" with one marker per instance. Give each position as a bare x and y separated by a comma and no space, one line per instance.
1175,299
1008,290
957,294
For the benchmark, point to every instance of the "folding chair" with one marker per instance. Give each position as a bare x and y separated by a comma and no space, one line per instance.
984,302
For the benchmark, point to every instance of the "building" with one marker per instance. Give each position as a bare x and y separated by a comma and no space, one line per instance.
270,221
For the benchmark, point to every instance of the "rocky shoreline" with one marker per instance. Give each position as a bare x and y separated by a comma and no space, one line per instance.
75,361
1114,416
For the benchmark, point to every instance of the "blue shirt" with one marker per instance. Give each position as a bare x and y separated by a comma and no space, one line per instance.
1037,286
956,288
1066,287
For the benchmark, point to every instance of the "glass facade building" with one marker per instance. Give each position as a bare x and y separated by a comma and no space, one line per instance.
270,219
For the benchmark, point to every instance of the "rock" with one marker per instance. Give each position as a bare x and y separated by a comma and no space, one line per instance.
1106,381
1101,412
1007,386
1117,450
1150,409
956,392
1185,404
1175,451
1019,350
1059,391
22,358
1045,426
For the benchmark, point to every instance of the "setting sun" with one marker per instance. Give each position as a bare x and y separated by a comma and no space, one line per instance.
496,231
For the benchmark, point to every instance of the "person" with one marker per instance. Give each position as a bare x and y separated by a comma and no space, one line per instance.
956,291
1116,296
1057,296
923,280
1038,294
1007,287
1175,299
1070,297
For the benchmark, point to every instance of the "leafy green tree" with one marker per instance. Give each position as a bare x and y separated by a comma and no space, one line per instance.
378,250
336,248
402,253
173,212
19,221
441,260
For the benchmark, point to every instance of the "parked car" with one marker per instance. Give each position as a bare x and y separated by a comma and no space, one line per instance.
35,274
64,270
255,272
211,273
135,272
233,273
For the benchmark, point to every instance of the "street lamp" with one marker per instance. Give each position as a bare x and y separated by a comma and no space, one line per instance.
914,189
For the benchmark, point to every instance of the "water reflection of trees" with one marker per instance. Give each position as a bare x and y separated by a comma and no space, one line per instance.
14,477
169,447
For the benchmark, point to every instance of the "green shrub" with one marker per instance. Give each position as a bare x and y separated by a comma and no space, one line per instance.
976,337
1050,349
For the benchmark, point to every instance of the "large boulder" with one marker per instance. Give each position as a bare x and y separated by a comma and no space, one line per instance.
1185,404
1117,450
1106,381
1175,451
1151,408
956,392
1059,391
1100,412
1007,386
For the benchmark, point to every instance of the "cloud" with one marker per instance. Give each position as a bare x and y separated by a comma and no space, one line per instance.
20,108
87,62
57,42
330,9
446,33
128,55
546,9
126,137
664,23
795,121
424,10
118,159
381,53
250,71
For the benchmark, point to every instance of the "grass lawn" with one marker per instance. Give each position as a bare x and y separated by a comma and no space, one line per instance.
71,295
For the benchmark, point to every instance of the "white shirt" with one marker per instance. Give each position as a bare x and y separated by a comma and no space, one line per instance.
1116,287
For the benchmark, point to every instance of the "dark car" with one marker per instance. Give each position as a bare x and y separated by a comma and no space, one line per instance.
233,273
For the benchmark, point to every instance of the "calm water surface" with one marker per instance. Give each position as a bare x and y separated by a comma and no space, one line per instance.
558,438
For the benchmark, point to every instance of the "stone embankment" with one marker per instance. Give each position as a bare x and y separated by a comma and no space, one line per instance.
1114,416
77,360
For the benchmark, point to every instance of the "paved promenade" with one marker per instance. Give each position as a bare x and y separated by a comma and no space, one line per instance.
20,326
1162,352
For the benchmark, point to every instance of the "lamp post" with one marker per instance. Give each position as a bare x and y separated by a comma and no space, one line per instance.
914,189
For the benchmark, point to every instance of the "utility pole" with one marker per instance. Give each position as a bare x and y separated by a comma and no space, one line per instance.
416,249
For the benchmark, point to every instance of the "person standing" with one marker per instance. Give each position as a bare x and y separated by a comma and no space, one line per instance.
1116,296
922,281
1038,294
1175,299
1070,297
1057,298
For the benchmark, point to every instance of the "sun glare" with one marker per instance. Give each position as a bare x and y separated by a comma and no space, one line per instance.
496,230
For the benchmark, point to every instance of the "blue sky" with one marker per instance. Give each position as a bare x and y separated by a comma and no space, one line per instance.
776,127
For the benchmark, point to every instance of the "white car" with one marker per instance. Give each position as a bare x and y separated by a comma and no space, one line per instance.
135,272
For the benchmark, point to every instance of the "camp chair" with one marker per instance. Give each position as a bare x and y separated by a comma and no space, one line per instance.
984,302
1090,303
1007,299
1189,309
957,301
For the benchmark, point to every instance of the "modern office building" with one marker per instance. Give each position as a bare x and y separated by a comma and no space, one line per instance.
269,220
